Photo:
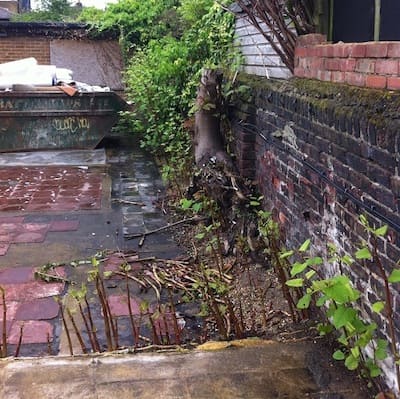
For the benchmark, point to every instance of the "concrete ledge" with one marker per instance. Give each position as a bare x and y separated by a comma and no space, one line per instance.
263,370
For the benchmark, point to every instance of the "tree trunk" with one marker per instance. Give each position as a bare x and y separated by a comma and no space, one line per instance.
208,139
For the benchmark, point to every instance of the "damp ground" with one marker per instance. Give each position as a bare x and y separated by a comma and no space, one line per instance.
67,217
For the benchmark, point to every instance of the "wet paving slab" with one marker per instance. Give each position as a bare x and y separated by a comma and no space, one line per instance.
61,207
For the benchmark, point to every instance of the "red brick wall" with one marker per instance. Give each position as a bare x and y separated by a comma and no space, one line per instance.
15,48
370,64
321,157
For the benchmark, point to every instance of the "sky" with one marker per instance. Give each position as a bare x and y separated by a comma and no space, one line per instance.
86,3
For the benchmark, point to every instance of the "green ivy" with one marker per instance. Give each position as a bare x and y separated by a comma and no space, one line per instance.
162,80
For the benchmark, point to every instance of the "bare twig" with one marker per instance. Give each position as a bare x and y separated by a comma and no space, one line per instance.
284,22
4,338
194,219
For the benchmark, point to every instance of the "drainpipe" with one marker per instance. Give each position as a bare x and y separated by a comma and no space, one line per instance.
377,22
330,32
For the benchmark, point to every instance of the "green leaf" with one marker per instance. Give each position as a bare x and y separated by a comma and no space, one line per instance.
374,370
310,274
355,352
363,253
305,246
324,329
394,276
342,316
200,236
381,231
314,261
186,203
297,268
321,301
338,355
343,340
348,260
340,289
197,207
286,254
377,307
381,349
304,302
351,362
296,282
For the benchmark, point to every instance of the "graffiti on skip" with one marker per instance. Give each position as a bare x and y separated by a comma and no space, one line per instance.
71,124
6,105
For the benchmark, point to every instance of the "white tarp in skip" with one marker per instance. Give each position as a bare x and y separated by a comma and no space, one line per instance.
26,72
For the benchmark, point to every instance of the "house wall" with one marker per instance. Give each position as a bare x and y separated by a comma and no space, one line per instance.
322,154
95,62
259,58
368,64
10,5
15,48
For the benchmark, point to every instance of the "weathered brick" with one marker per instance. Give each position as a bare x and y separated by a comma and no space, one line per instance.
327,50
341,50
310,39
394,50
387,67
299,72
355,79
376,49
325,76
375,81
300,51
357,163
338,77
393,83
357,50
333,64
378,175
365,65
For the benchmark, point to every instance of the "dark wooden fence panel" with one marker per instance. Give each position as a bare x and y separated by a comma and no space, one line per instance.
390,24
353,20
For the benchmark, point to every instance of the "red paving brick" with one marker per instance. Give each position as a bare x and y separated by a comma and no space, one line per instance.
38,309
34,332
11,308
119,305
14,230
28,238
32,290
16,275
64,225
49,188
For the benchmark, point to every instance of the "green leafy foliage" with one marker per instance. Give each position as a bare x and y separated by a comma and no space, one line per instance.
162,79
138,22
341,300
394,276
51,11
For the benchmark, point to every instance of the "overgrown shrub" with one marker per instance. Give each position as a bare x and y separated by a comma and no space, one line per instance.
162,81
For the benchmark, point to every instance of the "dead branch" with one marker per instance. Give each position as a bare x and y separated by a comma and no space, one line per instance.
284,21
194,219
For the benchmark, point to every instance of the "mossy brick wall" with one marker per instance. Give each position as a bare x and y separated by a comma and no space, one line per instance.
369,64
322,154
15,48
